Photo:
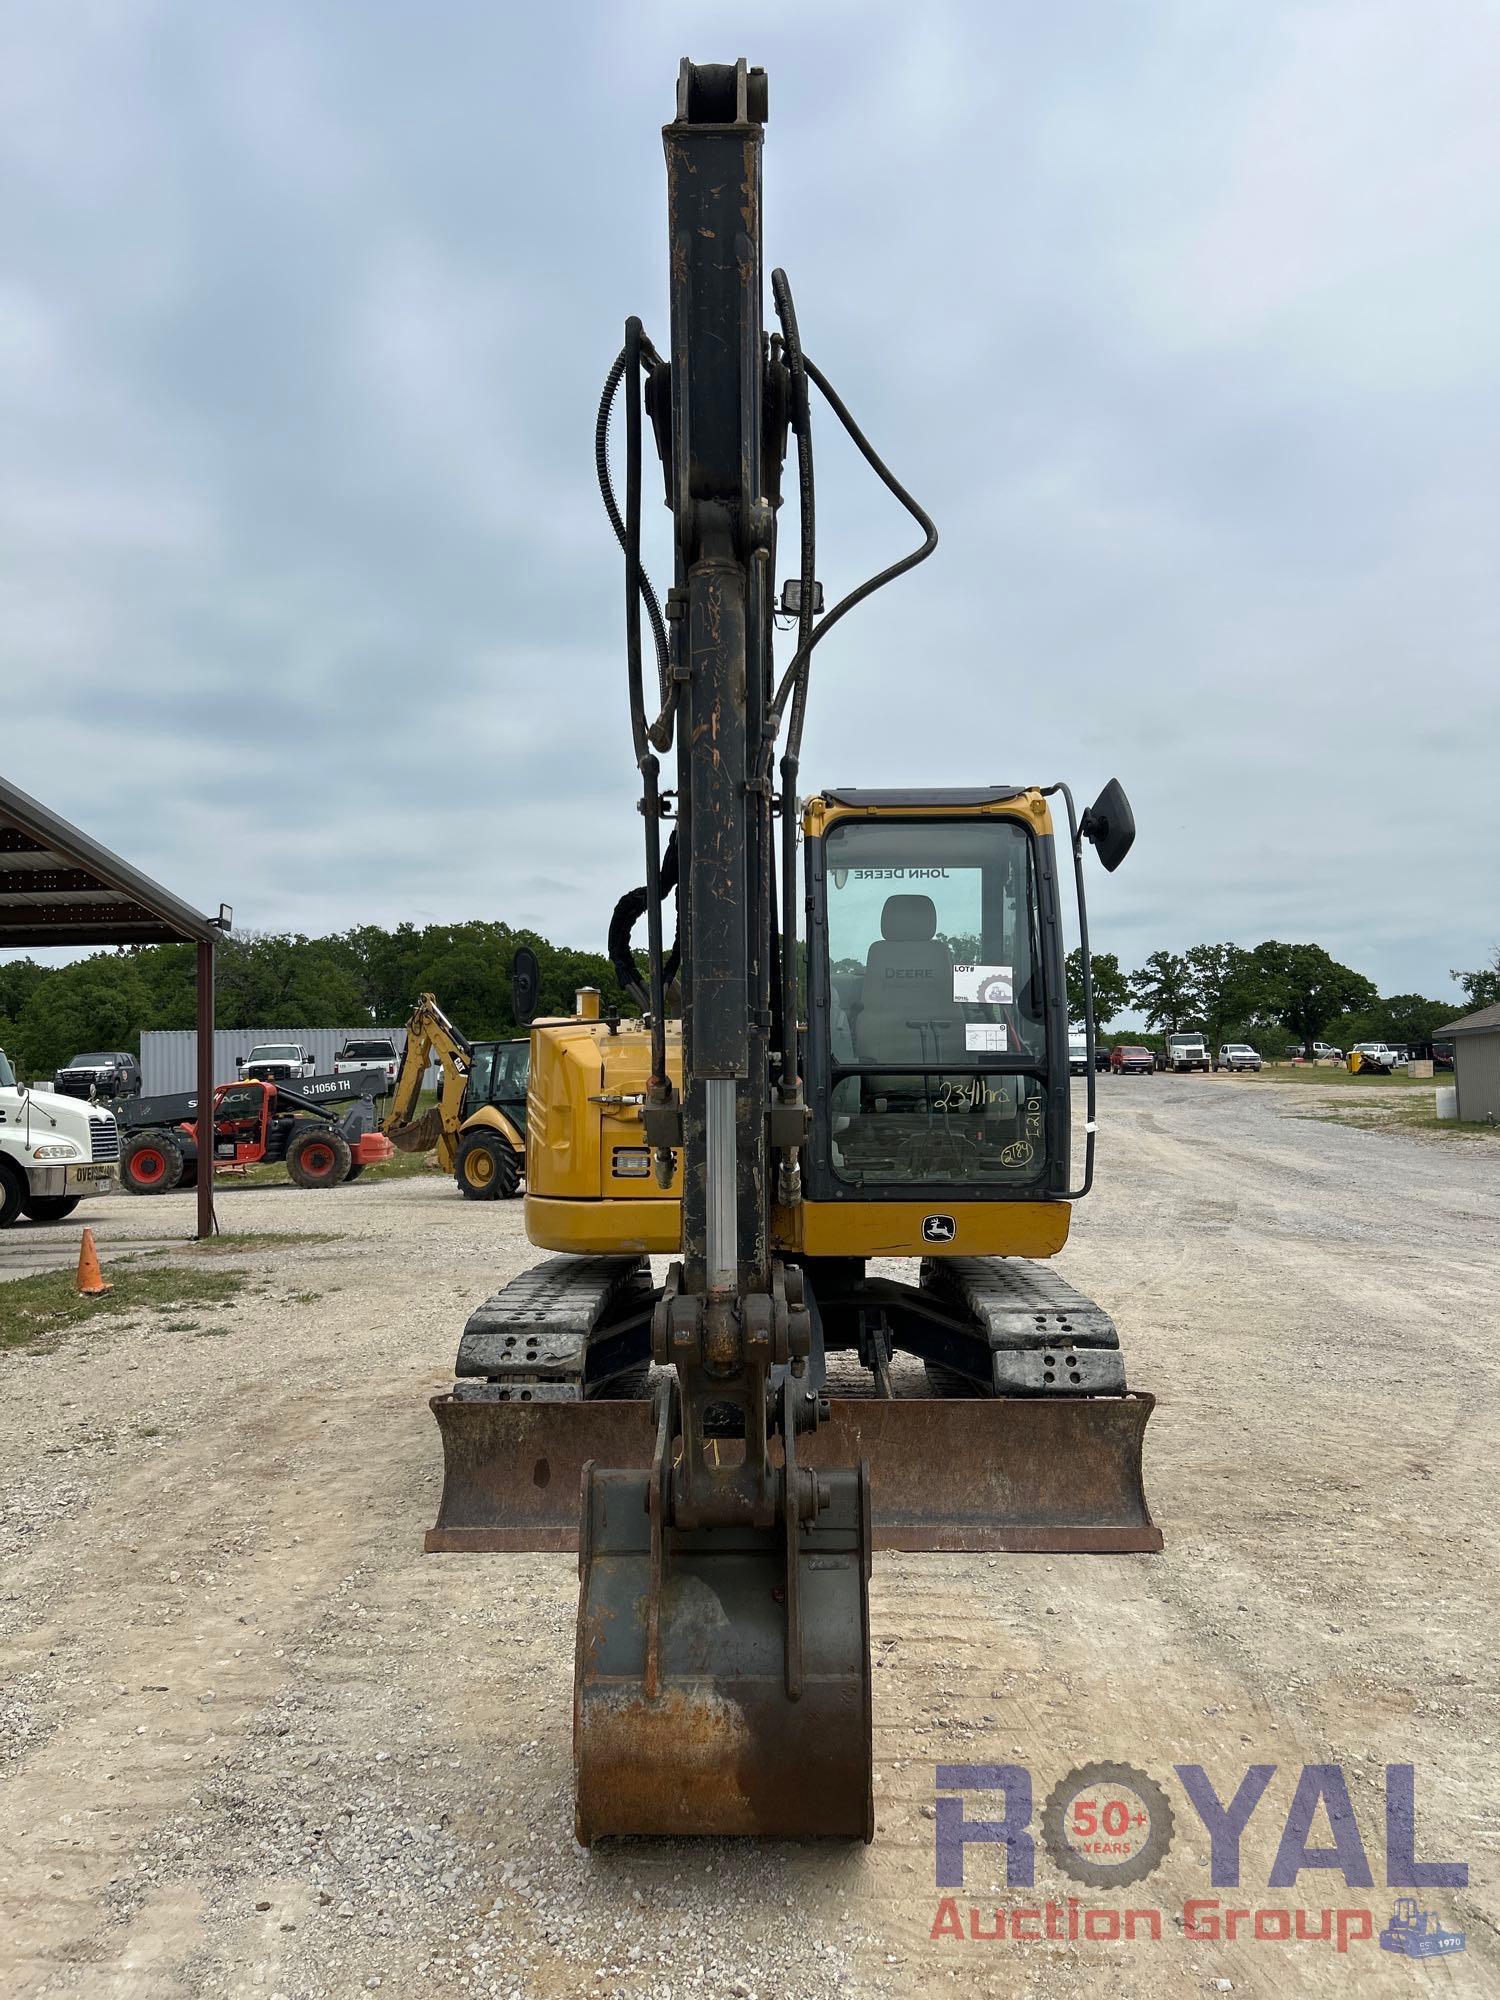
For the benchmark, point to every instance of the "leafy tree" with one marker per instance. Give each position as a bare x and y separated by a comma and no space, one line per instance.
1165,991
1228,988
1408,1018
1111,986
19,979
270,980
96,1003
1481,988
1304,989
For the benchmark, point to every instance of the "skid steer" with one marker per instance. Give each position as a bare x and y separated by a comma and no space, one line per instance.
854,1144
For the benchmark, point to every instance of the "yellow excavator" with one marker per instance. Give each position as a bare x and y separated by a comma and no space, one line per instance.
869,1063
478,1125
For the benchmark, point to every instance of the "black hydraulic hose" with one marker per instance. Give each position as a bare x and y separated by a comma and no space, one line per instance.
794,672
632,540
661,730
644,754
626,915
786,312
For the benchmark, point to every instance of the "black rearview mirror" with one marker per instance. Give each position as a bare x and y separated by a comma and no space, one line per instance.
1110,825
525,985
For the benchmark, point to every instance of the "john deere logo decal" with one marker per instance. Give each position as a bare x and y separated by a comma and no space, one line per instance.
938,1229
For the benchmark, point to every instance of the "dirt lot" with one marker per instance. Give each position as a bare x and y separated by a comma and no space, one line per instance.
253,1742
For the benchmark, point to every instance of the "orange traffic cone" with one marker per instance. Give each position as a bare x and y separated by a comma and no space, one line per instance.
90,1282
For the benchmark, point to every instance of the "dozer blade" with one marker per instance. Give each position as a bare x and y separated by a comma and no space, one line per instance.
421,1135
715,1691
1027,1475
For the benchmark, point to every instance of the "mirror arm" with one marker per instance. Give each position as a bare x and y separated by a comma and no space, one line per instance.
1076,836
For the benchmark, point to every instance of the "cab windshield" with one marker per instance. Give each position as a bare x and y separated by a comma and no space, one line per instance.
7,1074
938,1027
498,1073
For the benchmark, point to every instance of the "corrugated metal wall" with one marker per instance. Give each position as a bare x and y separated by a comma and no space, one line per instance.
169,1055
1476,1071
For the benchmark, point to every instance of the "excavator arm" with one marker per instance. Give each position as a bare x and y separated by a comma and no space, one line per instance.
429,1034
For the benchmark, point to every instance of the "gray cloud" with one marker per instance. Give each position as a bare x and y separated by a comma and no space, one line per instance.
1179,318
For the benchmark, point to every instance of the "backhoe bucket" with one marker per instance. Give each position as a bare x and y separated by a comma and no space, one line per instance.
421,1135
1025,1475
715,1691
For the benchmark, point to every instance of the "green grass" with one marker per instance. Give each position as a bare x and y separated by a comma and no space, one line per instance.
1336,1077
1396,1103
402,1167
259,1239
35,1310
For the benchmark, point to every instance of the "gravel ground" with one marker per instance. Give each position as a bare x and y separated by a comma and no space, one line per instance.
253,1742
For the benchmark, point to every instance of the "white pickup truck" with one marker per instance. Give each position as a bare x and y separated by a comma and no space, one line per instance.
54,1150
379,1053
276,1062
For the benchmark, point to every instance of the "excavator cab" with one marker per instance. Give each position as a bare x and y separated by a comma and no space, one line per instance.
936,1057
497,1076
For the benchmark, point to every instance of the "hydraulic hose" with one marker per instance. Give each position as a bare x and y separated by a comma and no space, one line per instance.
786,312
795,673
661,730
644,754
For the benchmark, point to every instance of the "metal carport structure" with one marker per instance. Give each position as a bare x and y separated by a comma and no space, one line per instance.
59,887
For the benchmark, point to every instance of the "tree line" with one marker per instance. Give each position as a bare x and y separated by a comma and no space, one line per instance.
1270,996
1267,996
266,980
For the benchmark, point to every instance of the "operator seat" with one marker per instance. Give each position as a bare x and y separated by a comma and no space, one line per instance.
909,1015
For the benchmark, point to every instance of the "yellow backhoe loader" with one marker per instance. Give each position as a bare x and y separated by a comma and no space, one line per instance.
478,1125
871,1063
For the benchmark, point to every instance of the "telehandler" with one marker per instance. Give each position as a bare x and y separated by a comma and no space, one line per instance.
871,1064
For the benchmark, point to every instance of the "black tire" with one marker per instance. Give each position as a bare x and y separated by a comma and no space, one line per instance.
486,1168
356,1168
318,1156
12,1194
50,1207
151,1162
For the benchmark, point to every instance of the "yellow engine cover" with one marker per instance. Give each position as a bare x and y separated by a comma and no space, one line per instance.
582,1130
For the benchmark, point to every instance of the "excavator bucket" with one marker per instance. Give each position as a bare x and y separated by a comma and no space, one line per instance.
1025,1475
421,1135
722,1679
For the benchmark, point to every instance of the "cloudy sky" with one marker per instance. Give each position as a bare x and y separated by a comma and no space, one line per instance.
1181,319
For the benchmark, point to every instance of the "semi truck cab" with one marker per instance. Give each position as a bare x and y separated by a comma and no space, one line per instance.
54,1150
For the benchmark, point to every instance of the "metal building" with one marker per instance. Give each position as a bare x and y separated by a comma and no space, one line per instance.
1476,1064
169,1055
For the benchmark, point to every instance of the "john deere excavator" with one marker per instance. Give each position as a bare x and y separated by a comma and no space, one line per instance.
478,1125
886,1081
